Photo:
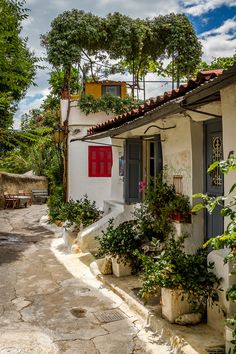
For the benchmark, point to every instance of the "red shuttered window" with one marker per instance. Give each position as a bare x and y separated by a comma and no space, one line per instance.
99,161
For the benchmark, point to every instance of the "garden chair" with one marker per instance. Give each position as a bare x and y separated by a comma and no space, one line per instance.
10,201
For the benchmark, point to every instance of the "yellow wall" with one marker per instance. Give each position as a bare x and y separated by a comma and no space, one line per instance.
95,88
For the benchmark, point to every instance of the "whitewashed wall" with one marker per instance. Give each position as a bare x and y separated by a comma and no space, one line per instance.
79,183
228,102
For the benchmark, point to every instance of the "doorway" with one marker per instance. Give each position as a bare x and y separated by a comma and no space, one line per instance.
213,181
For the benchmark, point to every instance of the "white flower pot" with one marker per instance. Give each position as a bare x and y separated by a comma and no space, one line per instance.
228,338
69,235
120,269
172,305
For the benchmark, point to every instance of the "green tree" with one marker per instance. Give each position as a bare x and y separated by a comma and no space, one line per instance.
139,46
218,63
17,63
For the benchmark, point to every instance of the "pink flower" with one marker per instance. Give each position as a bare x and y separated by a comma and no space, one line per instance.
142,186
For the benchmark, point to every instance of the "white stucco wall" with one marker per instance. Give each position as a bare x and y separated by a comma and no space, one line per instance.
79,183
176,149
78,117
228,102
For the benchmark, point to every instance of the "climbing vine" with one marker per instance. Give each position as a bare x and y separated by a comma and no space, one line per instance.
107,103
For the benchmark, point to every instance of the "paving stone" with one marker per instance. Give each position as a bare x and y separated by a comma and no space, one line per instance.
49,298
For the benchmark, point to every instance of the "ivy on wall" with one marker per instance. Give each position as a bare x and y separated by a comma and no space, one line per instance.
107,103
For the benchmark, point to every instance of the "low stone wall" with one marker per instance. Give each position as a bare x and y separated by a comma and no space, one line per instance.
13,183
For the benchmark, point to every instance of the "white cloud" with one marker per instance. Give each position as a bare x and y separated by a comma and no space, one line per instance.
219,42
199,7
28,103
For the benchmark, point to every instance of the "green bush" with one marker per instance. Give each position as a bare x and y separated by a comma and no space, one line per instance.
175,269
82,212
55,202
152,217
120,242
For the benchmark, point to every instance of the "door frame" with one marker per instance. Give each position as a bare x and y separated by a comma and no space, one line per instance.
205,167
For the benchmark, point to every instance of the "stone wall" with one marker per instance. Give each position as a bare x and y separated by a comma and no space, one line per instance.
13,183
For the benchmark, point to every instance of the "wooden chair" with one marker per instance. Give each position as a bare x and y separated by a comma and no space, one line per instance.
10,201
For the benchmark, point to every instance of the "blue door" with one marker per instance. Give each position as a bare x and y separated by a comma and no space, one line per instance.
214,181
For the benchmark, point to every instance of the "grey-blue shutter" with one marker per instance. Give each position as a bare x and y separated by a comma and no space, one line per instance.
158,155
133,172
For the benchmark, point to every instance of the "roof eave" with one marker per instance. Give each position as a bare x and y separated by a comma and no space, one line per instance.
148,117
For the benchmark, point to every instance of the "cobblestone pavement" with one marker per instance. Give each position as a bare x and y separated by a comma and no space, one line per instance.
51,303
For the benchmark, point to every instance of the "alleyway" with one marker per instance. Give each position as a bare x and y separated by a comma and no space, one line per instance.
51,303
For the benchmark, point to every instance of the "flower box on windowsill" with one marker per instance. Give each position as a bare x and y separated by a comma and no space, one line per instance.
182,218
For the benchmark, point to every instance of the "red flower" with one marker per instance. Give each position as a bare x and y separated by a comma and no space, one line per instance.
142,186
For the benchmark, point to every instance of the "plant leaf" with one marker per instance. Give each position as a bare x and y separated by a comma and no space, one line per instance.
197,207
213,166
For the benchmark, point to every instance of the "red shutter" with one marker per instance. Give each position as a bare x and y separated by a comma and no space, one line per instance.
99,161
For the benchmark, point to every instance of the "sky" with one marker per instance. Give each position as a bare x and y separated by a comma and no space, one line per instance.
214,22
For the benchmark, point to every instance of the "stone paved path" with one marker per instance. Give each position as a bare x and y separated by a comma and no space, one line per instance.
51,303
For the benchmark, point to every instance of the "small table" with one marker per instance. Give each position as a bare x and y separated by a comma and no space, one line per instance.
22,200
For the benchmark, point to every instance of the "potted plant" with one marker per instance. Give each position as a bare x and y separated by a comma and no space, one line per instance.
227,240
180,209
187,281
119,243
77,215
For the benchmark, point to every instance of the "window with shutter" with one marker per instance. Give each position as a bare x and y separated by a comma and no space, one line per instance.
99,161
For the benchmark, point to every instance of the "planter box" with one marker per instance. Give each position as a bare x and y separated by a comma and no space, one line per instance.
120,269
69,237
229,347
172,305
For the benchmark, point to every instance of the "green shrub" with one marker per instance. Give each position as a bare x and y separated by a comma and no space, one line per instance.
82,212
152,216
120,242
175,269
55,202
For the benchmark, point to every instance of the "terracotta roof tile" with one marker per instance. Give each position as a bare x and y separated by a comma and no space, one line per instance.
154,102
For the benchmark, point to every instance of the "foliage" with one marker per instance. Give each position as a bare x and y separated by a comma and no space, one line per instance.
228,239
181,204
150,225
152,217
54,203
179,42
180,208
11,139
217,63
16,62
56,82
175,269
107,103
82,212
139,46
120,242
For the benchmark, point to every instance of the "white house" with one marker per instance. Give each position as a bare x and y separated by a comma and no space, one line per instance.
187,130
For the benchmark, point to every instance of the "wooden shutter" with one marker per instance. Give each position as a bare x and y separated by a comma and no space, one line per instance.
132,177
99,161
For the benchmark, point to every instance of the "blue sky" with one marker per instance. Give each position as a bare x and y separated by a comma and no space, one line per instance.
213,20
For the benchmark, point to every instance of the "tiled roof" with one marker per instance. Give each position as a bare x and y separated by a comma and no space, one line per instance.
154,102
